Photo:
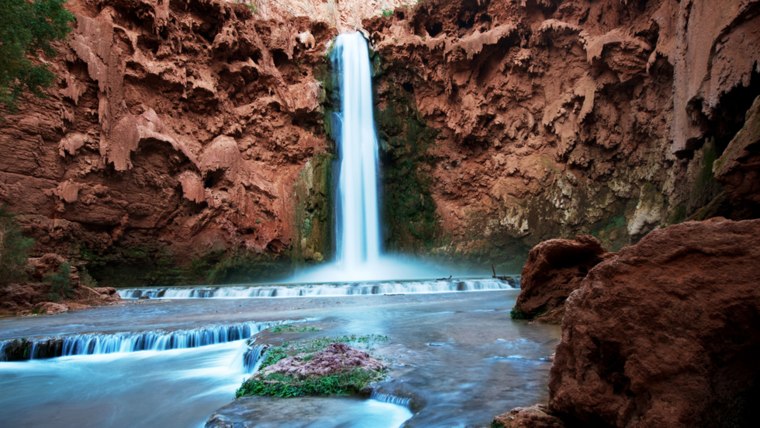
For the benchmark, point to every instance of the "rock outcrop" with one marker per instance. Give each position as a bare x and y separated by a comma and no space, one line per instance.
665,332
555,268
558,118
53,286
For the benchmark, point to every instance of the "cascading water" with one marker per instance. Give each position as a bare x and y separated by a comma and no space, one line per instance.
107,343
357,222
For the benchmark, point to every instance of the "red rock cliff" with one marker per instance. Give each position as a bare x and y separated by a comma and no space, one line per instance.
181,130
554,118
177,128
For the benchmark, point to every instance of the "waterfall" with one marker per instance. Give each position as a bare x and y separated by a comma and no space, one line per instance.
357,220
321,290
358,242
107,343
253,357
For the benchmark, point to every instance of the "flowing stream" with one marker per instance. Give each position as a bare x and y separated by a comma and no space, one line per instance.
455,359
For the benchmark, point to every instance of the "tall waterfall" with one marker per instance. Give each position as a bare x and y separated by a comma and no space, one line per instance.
358,246
357,221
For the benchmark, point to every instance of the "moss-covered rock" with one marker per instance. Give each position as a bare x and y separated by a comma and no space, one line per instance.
313,210
321,366
143,265
409,212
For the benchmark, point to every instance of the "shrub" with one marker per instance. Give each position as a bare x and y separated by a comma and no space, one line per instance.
60,283
14,249
26,27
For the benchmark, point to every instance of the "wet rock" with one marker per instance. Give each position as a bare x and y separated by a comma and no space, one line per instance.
665,333
554,269
535,416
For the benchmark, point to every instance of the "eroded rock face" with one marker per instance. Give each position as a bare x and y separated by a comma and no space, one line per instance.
558,118
555,268
175,129
665,333
738,169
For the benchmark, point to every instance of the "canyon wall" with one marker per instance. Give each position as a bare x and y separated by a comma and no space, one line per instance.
552,118
185,139
172,141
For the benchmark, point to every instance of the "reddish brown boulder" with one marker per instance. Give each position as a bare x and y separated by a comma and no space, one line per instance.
555,268
666,333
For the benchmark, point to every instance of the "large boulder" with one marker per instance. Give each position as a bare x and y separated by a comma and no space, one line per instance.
666,333
555,268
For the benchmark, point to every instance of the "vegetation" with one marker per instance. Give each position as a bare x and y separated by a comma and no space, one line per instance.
342,383
27,27
130,264
293,328
517,314
409,209
14,249
60,283
284,386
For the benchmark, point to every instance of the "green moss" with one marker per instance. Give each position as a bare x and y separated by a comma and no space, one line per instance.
293,328
313,210
409,211
517,314
349,382
701,195
613,232
677,214
144,264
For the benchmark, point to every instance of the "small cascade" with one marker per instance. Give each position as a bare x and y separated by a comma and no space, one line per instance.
107,343
321,290
252,358
392,399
